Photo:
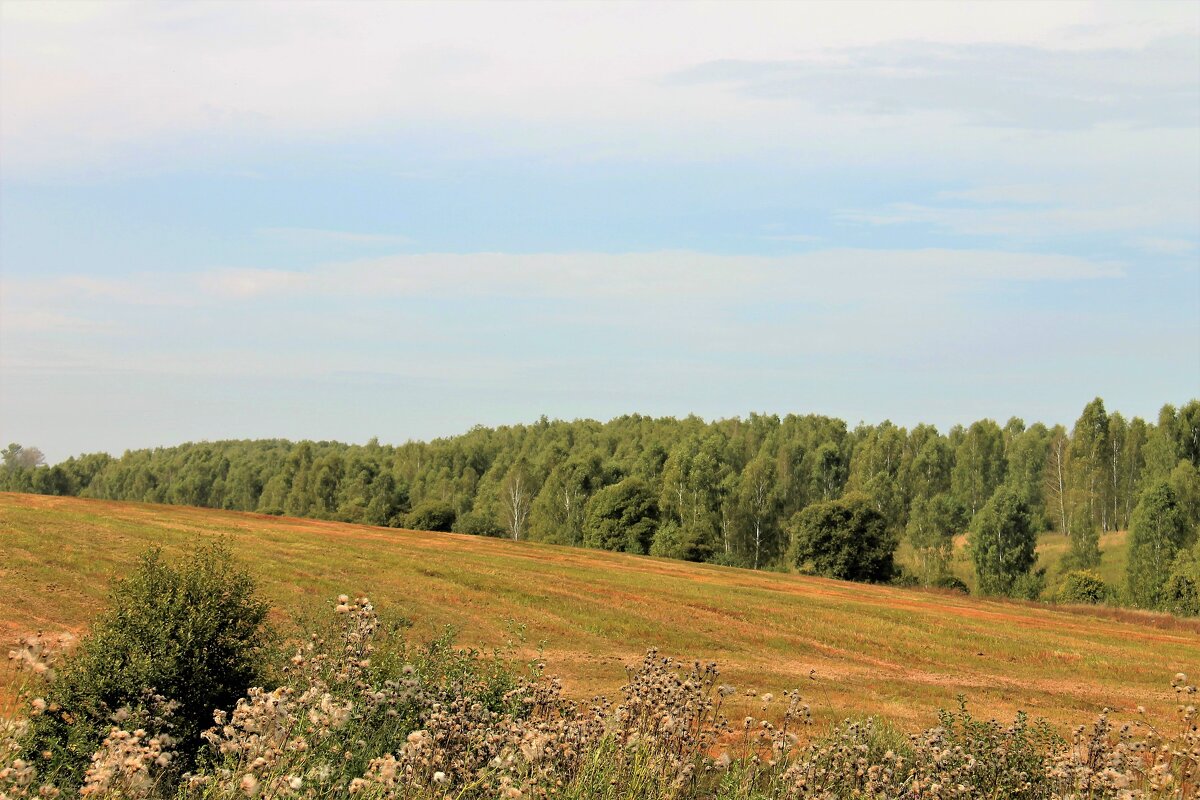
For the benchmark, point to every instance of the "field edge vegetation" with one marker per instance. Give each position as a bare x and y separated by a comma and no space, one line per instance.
801,493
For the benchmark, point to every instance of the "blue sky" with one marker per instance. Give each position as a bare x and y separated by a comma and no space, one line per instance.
338,221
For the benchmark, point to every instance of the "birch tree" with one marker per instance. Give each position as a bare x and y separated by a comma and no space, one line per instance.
516,496
760,501
1057,479
1089,451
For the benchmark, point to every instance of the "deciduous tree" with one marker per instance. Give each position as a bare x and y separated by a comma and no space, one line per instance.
846,538
1003,542
1158,532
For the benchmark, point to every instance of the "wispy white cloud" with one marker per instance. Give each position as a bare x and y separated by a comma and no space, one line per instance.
44,321
829,274
800,238
1166,246
1019,223
96,82
150,289
314,235
639,294
240,284
1157,85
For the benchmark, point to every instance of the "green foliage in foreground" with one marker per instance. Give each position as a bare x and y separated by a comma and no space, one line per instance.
358,711
186,636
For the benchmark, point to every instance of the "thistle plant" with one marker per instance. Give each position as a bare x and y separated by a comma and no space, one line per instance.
358,711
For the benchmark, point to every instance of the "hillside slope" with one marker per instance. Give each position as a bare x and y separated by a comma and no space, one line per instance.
901,653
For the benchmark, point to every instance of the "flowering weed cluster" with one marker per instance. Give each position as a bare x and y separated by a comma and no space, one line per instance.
360,712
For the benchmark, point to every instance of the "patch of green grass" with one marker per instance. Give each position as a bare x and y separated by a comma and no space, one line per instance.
1051,548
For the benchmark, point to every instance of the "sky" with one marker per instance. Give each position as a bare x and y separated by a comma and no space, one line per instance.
338,221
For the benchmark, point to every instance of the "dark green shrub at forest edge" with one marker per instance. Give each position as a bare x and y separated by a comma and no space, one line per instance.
846,539
432,515
1082,586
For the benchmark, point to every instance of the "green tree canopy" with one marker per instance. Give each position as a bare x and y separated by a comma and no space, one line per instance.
846,538
1158,532
621,517
1003,542
932,525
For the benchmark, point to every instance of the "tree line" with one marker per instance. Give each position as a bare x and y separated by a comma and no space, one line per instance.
766,491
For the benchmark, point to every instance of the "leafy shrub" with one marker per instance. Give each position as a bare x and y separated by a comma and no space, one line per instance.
845,538
478,523
623,516
1181,592
952,582
1083,586
1029,585
186,638
431,515
733,559
904,577
668,540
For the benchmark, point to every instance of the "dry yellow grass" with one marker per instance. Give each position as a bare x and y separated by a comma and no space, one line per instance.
872,649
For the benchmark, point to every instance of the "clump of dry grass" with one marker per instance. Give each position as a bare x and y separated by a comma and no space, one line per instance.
360,712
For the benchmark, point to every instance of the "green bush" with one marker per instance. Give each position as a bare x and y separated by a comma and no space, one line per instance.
904,577
189,636
1029,586
477,523
624,516
1082,586
668,540
431,515
1181,592
952,582
845,538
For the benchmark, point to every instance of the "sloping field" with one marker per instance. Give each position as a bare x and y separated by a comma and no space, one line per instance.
900,653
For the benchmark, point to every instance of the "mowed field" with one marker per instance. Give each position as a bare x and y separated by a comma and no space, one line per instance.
851,649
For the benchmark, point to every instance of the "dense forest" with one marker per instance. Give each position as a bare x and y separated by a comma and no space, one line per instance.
797,492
